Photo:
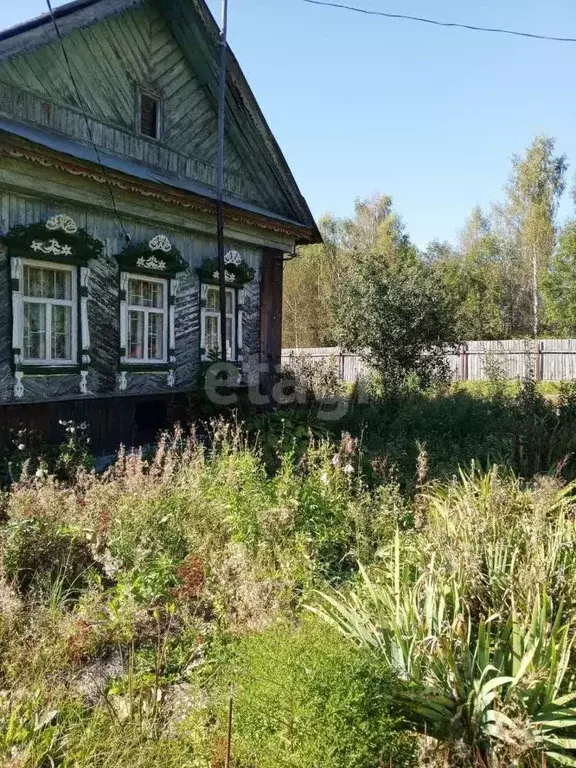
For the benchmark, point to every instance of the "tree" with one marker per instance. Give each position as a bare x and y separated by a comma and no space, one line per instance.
560,284
315,282
376,227
534,191
397,317
475,279
311,281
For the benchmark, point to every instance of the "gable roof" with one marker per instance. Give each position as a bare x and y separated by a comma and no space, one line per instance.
196,32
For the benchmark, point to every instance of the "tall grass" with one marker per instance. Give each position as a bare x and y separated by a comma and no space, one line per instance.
477,612
122,594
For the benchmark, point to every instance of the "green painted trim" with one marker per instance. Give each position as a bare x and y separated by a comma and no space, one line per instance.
146,367
129,257
242,272
213,281
19,241
46,370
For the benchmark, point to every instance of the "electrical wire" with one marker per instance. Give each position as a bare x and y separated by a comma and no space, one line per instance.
471,27
87,121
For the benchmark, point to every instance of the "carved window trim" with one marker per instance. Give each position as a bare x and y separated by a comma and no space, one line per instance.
49,304
80,332
166,365
234,354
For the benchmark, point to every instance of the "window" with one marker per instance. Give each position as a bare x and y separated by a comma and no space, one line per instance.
147,319
211,321
149,116
49,314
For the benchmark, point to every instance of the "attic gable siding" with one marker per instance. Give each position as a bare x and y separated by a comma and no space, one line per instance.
109,61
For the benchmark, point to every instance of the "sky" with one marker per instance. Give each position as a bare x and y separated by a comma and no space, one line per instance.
430,116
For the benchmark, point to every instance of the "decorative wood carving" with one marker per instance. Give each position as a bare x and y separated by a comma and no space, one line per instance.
84,325
83,382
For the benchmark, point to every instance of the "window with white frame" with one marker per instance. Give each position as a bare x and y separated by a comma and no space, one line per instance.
146,319
211,322
49,314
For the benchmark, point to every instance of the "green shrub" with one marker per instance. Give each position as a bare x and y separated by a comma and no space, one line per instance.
303,698
476,610
39,553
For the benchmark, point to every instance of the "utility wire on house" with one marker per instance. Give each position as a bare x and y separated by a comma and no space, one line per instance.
87,121
223,59
473,28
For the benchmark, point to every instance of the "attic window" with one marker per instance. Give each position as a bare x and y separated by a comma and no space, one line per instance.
149,116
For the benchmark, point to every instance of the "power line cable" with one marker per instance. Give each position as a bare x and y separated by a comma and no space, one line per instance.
436,23
87,121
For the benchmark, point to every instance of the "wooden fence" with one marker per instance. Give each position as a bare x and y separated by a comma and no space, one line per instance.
548,359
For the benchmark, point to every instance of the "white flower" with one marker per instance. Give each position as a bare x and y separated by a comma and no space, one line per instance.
40,473
324,478
21,447
348,469
84,426
335,460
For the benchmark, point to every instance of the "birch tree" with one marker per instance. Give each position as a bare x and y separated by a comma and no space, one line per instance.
534,192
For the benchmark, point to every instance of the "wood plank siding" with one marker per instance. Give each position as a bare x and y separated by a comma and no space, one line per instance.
71,144
103,305
271,307
110,61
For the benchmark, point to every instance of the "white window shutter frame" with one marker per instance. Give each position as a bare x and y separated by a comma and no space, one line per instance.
84,325
240,315
173,288
123,316
203,300
16,272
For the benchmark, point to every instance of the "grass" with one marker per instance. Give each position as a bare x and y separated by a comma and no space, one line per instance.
510,389
130,601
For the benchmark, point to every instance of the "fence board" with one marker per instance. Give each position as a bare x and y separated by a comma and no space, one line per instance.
548,359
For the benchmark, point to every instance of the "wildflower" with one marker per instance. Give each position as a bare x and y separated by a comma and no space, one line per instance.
324,478
335,460
21,447
348,469
84,426
348,444
40,473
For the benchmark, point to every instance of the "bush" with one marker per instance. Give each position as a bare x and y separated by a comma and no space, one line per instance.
477,612
39,553
303,698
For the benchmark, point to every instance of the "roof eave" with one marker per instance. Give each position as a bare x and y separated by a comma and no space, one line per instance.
23,147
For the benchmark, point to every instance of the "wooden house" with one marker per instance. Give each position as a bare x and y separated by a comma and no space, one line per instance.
108,250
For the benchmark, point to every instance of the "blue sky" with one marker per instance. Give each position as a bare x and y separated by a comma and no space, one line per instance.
430,116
